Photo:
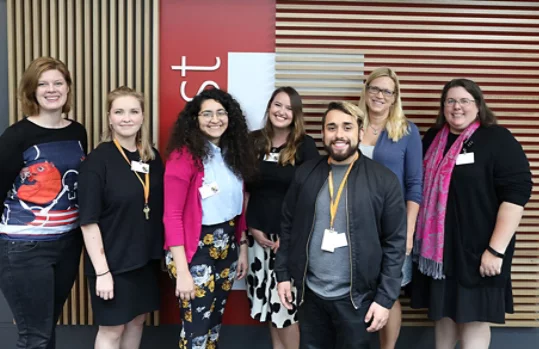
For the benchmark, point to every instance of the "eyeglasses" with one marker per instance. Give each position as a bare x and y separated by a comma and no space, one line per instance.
208,114
464,102
373,90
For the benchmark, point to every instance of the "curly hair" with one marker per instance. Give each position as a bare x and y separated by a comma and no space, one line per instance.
235,142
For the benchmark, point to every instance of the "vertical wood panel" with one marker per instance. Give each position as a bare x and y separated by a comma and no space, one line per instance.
53,27
129,34
154,66
71,54
104,43
28,33
121,41
19,50
113,46
105,78
138,46
45,48
79,71
327,48
12,63
36,26
62,33
96,66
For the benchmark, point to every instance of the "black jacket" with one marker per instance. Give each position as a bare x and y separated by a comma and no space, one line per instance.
376,225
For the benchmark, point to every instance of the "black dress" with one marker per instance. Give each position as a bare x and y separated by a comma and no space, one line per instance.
500,173
264,213
112,196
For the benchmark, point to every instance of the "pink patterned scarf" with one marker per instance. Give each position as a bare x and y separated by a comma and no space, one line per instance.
429,236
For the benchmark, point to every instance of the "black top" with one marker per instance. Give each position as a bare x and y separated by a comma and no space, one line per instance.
267,193
38,179
500,173
112,196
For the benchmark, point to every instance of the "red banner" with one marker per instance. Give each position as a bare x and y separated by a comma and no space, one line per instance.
196,37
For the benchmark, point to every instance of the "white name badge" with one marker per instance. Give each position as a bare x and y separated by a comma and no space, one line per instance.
340,240
139,166
272,157
208,190
327,240
332,240
464,159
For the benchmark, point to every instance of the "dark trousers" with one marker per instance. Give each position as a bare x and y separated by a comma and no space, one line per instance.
332,324
36,278
213,269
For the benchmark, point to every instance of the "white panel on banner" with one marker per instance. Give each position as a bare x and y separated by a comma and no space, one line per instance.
251,80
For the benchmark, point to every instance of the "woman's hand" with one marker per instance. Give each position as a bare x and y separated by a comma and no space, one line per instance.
409,244
185,286
261,238
490,264
243,264
276,245
104,286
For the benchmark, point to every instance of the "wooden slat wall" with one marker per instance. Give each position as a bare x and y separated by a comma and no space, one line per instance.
105,44
326,49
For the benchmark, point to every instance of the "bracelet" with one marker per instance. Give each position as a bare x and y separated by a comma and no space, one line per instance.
105,273
495,253
243,242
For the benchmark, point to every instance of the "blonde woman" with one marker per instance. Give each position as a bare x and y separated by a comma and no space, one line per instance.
392,140
121,200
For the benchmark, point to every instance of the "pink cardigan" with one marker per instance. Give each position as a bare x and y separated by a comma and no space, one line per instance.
183,204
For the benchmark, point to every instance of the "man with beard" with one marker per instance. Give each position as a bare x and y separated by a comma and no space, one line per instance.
343,239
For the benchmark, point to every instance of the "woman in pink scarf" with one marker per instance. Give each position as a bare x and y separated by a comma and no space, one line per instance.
476,182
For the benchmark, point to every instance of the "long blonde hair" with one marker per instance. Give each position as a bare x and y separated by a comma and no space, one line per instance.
143,135
297,128
397,124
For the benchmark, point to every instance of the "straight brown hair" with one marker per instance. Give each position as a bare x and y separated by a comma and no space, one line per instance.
30,79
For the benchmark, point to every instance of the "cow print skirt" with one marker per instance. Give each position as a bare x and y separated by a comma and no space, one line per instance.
262,287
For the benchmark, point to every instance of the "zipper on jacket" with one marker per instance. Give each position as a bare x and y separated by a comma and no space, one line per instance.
307,249
349,248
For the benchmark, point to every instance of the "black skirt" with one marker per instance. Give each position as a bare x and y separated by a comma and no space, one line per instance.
136,292
448,298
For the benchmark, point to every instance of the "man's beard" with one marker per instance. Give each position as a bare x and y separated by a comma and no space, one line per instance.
340,156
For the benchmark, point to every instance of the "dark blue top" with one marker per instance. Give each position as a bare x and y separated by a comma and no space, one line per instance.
405,159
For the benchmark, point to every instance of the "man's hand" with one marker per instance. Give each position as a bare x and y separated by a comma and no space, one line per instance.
284,289
378,315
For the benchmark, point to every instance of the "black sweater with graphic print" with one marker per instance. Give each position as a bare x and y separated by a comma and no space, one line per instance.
38,179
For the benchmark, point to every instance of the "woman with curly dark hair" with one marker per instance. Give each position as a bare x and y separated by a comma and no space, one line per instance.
210,156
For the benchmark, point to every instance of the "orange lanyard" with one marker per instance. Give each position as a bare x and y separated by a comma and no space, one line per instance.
145,183
334,204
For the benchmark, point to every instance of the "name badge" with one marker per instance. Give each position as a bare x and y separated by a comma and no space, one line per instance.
464,159
272,157
208,190
332,240
139,166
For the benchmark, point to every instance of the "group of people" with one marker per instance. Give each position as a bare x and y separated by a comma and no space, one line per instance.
325,243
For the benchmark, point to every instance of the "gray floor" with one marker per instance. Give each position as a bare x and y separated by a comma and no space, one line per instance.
81,337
